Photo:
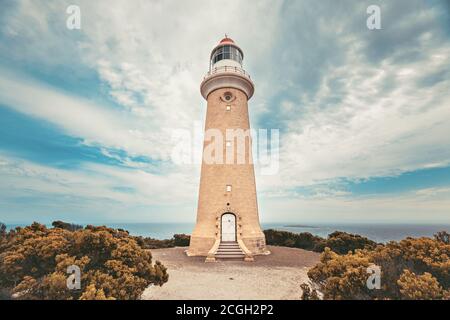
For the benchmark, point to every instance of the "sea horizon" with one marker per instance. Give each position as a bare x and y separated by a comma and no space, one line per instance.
380,231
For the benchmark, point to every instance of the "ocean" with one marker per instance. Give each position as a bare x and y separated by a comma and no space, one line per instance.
377,232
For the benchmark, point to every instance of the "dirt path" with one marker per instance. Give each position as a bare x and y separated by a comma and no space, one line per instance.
276,276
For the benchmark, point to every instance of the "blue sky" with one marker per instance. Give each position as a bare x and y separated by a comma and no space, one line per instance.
86,116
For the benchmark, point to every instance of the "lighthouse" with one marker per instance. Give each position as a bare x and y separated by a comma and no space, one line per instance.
227,225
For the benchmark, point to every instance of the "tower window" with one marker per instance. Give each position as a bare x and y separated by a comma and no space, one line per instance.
227,97
228,107
228,143
227,52
229,188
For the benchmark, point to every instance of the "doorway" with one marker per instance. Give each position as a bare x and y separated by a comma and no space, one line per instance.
228,227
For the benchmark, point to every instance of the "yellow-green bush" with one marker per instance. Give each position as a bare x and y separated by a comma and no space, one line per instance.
338,241
34,261
410,269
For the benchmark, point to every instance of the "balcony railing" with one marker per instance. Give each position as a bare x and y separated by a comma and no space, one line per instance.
226,69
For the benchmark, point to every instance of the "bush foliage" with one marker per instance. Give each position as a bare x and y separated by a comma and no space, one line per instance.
181,240
34,261
178,240
410,269
339,242
66,226
2,230
150,243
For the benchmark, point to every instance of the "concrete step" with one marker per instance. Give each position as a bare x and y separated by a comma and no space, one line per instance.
236,256
230,247
229,254
229,250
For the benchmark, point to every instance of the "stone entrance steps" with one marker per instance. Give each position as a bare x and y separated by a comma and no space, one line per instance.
229,250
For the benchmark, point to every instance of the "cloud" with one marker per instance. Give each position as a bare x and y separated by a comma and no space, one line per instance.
79,117
397,208
357,117
108,192
150,66
352,104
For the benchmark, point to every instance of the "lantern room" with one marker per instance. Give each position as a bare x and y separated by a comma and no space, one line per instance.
226,53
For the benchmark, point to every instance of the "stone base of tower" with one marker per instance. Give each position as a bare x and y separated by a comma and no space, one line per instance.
201,246
256,245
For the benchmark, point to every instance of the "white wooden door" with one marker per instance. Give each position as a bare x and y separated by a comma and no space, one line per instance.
228,227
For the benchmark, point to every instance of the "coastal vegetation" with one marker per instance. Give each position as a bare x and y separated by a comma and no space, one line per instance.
66,226
34,263
178,240
339,242
413,268
2,230
181,240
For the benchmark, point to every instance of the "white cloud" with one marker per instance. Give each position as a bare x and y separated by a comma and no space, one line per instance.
152,64
95,124
111,192
366,118
422,206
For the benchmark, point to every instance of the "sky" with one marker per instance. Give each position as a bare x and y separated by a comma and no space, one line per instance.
87,115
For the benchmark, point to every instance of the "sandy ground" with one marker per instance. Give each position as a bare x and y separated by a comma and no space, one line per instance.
276,276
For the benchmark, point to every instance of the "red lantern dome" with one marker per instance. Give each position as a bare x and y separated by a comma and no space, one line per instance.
226,40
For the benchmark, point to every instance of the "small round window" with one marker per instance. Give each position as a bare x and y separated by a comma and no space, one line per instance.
227,97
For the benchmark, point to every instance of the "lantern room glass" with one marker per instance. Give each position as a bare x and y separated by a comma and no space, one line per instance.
226,52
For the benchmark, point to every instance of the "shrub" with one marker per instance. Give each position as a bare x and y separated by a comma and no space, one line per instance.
410,269
150,243
339,242
420,287
341,277
342,242
34,261
181,240
305,240
178,240
3,234
2,230
66,226
443,236
308,293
